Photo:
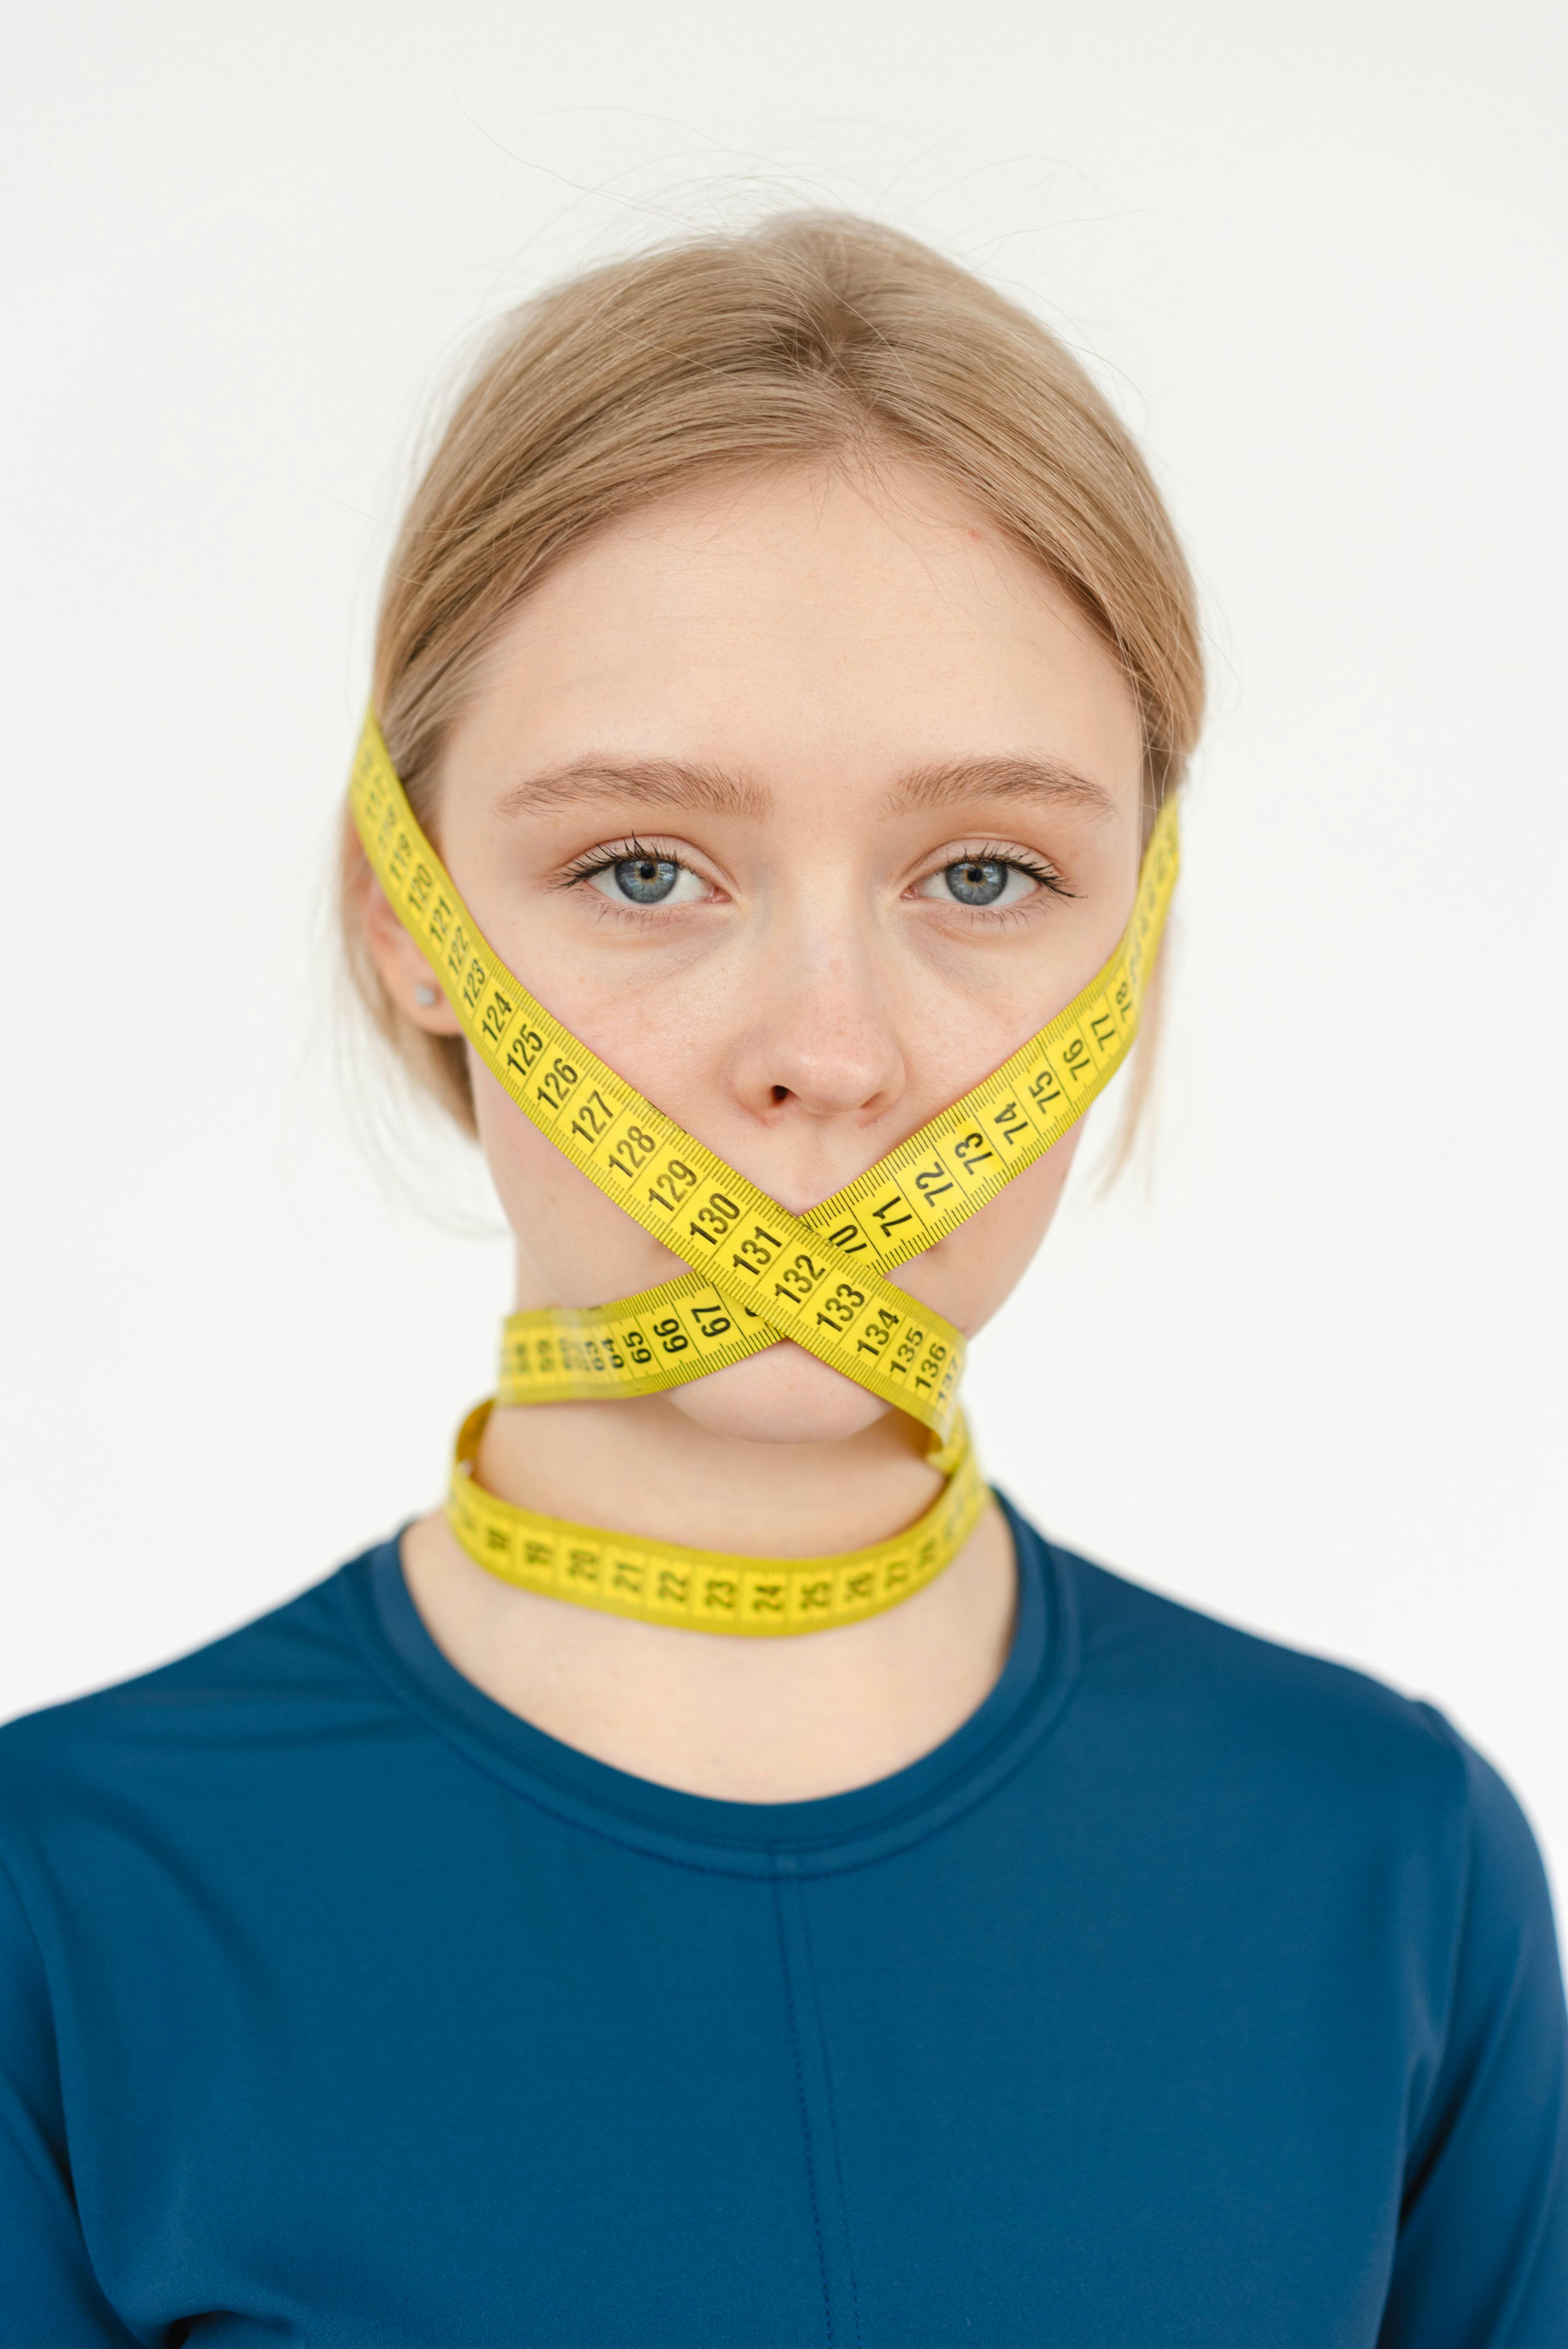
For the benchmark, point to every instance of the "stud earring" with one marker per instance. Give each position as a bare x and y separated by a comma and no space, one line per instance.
424,994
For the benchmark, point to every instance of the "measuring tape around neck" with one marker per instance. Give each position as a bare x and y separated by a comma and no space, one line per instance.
707,1591
759,1273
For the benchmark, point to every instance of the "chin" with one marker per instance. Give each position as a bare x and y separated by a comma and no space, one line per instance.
784,1396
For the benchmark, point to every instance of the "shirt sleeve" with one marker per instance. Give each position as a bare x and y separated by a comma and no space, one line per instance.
1482,2258
51,2294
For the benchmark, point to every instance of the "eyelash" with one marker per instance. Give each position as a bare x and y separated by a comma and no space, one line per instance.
620,851
1019,860
595,860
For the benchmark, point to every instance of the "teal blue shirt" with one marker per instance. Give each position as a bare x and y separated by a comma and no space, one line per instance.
1194,1992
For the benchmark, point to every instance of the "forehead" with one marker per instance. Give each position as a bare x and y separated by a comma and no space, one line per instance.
811,617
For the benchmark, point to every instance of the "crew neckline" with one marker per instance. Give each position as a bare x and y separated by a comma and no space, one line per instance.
811,1837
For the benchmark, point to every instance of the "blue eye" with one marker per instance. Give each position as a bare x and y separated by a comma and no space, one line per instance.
977,880
645,880
980,882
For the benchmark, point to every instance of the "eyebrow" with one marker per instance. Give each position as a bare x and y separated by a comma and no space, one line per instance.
661,782
955,782
713,790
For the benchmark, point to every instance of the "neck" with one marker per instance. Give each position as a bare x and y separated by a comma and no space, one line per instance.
742,1720
646,1466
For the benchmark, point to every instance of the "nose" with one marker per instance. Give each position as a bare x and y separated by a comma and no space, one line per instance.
818,1040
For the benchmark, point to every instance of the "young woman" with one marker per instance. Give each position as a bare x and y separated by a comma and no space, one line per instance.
726,1879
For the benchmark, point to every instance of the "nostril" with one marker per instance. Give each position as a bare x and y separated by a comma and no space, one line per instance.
780,1093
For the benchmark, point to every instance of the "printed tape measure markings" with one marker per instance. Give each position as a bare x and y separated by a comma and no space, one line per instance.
975,1146
954,1164
514,1034
1089,1038
707,1589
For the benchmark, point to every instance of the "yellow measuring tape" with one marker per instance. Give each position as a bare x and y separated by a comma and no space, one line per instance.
706,1590
759,1274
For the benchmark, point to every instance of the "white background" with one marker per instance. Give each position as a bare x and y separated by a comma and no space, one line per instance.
1310,1372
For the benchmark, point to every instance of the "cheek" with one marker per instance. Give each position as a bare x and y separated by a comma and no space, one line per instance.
971,1276
575,1245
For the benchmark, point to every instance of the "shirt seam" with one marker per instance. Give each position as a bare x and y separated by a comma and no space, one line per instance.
789,2009
809,1949
1419,2151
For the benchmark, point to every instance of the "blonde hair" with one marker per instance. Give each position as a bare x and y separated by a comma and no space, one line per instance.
816,337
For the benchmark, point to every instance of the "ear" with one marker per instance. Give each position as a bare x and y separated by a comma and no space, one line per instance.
401,968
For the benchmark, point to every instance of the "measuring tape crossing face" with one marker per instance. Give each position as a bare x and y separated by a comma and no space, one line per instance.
759,1273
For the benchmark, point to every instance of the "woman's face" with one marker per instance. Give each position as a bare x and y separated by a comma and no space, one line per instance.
803,802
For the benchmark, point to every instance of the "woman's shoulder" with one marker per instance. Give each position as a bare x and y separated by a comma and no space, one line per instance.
292,1671
1276,1733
